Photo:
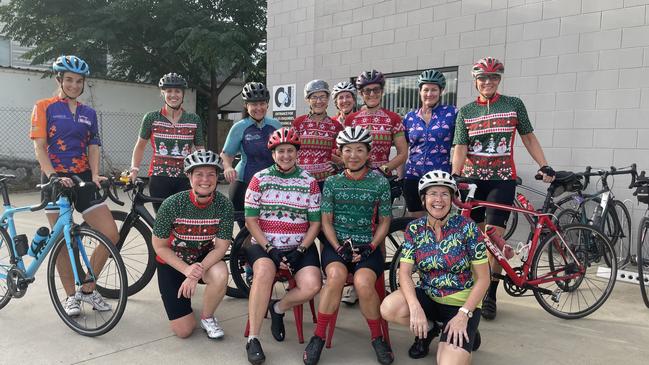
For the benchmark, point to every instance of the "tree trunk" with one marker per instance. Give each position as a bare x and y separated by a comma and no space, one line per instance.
213,115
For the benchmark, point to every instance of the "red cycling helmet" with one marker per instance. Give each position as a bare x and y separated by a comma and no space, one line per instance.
486,66
284,136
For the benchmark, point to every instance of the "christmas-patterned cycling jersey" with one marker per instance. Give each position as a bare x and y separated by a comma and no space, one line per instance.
489,129
285,204
384,126
318,141
171,142
191,228
355,203
429,144
444,266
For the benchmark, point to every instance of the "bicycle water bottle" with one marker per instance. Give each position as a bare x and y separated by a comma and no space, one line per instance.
39,241
524,202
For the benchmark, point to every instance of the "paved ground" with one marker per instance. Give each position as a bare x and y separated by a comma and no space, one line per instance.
523,333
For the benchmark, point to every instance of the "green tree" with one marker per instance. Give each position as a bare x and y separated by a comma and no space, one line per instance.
211,42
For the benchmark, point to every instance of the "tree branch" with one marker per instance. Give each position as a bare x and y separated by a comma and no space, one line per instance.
229,101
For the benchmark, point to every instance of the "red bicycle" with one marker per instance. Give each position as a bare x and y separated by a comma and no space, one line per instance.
569,269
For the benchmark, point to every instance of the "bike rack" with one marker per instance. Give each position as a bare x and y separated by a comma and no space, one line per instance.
622,275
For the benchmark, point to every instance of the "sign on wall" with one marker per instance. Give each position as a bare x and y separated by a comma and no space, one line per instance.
283,100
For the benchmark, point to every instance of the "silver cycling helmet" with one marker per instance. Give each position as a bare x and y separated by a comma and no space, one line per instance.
202,158
315,86
342,87
354,135
437,178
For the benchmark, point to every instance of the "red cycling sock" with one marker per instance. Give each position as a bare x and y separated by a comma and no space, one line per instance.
375,328
321,326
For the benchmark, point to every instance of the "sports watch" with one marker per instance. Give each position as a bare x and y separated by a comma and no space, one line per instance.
466,311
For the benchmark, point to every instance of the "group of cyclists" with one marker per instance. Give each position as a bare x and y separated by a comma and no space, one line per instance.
323,177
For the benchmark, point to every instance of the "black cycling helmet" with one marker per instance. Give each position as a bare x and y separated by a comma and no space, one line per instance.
172,81
255,91
432,77
370,77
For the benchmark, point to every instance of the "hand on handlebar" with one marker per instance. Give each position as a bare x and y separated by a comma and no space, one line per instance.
545,173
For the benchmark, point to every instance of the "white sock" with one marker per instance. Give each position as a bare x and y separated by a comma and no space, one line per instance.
251,337
276,309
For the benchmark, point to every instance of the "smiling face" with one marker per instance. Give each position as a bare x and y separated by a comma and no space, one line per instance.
487,84
285,155
355,155
345,102
429,94
173,96
257,109
72,84
437,200
372,94
203,179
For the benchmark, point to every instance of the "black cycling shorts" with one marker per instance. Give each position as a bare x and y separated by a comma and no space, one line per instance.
80,197
411,195
496,191
255,252
237,194
169,281
165,186
374,262
443,313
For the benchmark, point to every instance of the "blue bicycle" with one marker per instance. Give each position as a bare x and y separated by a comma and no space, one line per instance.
78,255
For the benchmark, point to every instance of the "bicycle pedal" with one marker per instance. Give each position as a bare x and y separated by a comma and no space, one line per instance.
556,295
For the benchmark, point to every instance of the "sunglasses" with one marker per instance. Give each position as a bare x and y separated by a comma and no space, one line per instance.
484,78
375,91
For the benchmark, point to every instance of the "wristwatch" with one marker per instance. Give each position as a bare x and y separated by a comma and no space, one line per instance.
384,168
466,311
268,246
301,249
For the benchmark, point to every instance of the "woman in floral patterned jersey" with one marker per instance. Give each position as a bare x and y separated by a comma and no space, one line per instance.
484,152
173,133
192,232
449,253
282,209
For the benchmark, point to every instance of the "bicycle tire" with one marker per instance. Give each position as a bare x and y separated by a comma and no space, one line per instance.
577,236
137,254
238,262
643,259
512,222
396,226
82,324
5,266
568,216
618,229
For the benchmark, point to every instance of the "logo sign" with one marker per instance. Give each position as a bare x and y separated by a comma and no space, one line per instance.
283,100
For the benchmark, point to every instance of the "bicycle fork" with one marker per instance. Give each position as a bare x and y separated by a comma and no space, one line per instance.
73,243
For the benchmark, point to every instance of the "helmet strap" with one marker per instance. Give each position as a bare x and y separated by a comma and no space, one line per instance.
194,196
176,108
60,79
349,171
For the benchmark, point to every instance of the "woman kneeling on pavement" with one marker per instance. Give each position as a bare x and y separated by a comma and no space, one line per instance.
450,256
192,232
282,209
350,202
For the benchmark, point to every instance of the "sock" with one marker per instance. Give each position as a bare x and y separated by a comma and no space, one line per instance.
493,287
203,316
251,337
276,308
321,326
375,328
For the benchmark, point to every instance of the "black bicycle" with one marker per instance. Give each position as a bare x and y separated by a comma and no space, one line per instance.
642,257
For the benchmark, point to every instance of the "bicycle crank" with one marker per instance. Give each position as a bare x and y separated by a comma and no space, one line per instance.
556,295
17,283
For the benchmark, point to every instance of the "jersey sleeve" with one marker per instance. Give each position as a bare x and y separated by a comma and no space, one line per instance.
475,243
94,129
408,246
314,201
385,199
406,120
145,127
199,136
397,125
253,198
232,144
164,219
326,205
461,135
524,125
39,121
226,222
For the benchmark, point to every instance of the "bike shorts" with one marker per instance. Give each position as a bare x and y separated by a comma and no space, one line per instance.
443,313
81,197
495,191
165,186
411,195
374,262
169,281
256,252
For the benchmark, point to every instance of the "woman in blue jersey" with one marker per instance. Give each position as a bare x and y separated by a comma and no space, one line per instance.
248,137
429,132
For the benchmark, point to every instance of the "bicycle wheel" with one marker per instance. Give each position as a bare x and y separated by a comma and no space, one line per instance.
617,227
232,290
137,253
240,272
643,258
398,207
579,283
568,216
5,266
393,251
91,253
512,221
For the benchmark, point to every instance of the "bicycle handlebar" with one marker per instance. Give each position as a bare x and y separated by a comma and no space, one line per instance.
107,186
631,170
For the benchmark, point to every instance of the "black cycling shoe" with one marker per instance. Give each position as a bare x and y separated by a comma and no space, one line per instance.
277,325
477,340
313,350
421,346
383,351
489,308
255,352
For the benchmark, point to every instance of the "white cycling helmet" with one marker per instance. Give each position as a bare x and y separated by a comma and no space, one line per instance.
342,87
202,158
437,178
354,135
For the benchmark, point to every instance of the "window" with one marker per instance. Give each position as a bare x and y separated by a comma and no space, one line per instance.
402,93
5,52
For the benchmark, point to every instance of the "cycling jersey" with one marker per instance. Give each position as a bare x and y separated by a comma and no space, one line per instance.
191,229
355,203
68,135
250,139
318,141
489,129
444,266
285,204
384,126
171,142
429,145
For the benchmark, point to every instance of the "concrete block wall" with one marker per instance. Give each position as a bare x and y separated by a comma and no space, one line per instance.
580,66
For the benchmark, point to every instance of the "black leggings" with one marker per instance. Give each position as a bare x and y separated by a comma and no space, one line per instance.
164,187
